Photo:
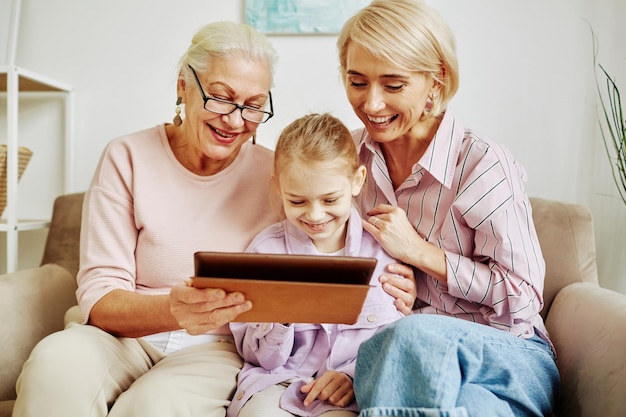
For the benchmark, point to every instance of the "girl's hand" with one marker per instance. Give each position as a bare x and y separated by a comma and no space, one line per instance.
400,284
200,310
334,387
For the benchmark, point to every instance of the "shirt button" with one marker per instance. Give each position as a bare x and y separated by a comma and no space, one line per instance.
371,318
240,396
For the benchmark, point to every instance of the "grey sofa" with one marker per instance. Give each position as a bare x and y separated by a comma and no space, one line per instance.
587,323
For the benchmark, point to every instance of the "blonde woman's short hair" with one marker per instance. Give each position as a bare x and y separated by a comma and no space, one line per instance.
410,35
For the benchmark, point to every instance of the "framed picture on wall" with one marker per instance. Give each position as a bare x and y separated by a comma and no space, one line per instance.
300,17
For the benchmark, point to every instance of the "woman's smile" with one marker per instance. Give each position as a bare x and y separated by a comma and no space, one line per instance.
223,136
381,121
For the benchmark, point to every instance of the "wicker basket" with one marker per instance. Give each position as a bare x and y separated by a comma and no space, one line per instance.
24,158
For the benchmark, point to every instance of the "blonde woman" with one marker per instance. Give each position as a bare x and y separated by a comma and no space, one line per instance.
450,202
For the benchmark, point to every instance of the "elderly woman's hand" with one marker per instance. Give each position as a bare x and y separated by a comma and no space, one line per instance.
199,311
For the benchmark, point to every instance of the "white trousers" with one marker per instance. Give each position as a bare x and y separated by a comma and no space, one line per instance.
85,372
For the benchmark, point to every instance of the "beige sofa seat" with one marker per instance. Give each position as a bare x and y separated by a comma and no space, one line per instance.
587,323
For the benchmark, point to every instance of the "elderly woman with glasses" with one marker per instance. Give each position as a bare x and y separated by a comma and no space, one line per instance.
149,344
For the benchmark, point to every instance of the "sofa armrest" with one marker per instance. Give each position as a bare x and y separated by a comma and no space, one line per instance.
63,241
566,236
32,305
587,325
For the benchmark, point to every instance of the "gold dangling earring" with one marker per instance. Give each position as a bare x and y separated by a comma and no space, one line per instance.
254,138
177,119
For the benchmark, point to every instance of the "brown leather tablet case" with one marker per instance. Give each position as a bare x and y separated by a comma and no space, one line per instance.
289,288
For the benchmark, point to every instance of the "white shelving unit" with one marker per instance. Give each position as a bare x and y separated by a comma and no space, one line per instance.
16,82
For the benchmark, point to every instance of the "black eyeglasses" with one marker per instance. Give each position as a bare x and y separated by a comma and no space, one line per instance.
221,106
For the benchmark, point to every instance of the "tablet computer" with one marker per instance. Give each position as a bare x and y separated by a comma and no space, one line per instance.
289,288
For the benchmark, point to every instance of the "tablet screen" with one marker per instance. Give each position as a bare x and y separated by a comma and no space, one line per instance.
280,267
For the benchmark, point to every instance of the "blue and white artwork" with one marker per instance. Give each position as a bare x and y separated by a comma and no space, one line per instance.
300,17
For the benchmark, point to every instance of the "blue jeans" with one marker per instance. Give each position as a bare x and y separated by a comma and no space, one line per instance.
437,366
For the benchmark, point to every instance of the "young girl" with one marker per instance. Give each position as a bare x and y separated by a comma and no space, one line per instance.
307,369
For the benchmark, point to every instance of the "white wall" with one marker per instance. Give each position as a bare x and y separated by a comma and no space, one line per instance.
526,80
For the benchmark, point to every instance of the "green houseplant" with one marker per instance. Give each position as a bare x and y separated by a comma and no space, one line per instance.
612,123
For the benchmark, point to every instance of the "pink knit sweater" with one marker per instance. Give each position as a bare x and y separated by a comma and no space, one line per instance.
145,215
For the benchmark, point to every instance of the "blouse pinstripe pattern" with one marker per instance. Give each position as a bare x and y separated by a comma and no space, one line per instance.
467,196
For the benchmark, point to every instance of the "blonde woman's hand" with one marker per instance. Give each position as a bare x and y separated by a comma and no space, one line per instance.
200,310
391,228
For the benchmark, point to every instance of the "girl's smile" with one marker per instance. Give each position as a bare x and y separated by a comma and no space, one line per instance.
316,227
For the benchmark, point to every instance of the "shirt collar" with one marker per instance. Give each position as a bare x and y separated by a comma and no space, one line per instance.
443,152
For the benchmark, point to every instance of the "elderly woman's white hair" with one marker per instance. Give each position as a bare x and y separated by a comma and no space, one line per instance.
224,39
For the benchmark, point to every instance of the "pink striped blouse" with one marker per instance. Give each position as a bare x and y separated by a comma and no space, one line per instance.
467,196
